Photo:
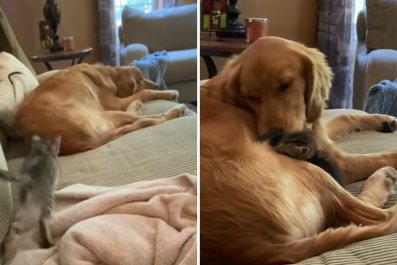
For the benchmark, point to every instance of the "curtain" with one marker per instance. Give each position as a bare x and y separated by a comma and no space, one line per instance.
335,40
108,44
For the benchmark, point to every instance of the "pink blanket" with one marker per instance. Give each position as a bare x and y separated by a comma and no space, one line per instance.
151,222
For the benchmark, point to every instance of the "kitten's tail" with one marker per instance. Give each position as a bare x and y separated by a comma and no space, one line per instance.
8,176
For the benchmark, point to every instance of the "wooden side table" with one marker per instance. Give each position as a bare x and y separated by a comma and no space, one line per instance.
221,48
77,56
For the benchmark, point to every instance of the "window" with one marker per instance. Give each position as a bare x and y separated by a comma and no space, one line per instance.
358,5
143,5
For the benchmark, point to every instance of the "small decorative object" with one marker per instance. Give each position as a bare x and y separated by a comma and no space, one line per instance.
45,35
223,8
234,29
255,28
52,14
68,44
215,17
232,17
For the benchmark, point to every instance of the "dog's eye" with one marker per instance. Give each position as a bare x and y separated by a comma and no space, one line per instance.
283,87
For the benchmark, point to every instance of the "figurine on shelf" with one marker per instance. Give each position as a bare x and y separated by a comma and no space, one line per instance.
52,14
215,17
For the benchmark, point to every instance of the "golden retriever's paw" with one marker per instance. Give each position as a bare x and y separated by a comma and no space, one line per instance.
379,186
389,126
391,177
138,106
175,112
135,107
174,95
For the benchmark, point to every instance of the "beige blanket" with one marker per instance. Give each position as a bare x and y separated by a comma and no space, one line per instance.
151,222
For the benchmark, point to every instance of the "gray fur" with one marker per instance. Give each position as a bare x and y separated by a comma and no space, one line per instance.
34,196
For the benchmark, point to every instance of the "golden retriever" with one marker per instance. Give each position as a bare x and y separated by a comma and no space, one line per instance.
90,105
262,207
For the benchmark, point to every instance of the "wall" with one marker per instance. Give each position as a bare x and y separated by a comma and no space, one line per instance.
79,19
291,19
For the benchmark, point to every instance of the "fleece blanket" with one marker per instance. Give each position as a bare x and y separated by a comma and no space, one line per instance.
151,222
382,98
153,67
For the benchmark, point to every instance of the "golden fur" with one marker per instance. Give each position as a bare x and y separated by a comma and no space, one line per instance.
261,207
90,105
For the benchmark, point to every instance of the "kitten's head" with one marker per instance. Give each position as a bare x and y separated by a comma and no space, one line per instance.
45,146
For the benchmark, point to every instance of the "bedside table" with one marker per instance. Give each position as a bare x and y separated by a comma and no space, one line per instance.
77,56
210,46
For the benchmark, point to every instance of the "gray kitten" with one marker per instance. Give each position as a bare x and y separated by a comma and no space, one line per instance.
33,197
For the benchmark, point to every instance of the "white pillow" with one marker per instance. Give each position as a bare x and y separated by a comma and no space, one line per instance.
16,80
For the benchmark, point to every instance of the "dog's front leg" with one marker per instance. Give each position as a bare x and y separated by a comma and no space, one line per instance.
148,95
345,124
355,167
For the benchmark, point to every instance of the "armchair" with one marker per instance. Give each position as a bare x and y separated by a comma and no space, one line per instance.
170,29
376,53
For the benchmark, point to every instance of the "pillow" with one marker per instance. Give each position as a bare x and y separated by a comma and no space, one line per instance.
16,80
381,24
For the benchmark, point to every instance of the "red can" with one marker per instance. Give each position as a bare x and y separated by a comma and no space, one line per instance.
68,44
255,28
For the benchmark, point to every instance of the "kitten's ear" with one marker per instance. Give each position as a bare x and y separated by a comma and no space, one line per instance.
56,144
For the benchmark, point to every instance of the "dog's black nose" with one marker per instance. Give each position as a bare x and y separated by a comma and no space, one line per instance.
273,136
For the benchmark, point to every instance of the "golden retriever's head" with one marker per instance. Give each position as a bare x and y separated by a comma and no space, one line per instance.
123,81
129,80
283,83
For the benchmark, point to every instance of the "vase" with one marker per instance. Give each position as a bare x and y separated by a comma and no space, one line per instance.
232,17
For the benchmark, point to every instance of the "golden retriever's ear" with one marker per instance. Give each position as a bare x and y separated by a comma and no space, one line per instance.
100,75
318,83
226,83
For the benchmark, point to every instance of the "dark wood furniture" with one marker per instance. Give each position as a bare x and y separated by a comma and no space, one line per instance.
212,46
77,56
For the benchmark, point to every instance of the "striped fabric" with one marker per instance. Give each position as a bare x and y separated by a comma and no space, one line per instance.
5,202
377,251
381,24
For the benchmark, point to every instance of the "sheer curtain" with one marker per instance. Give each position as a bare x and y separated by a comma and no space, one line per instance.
335,38
108,44
158,4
